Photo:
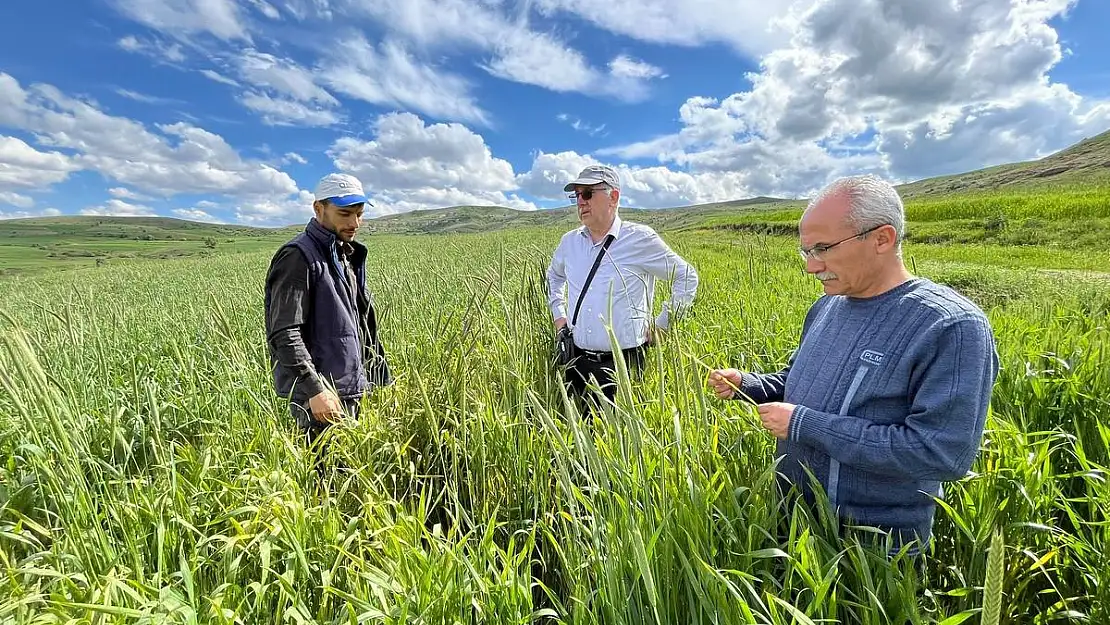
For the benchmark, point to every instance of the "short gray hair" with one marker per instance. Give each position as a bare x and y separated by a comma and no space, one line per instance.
872,202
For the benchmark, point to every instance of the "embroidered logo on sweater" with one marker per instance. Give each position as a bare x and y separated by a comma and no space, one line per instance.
872,357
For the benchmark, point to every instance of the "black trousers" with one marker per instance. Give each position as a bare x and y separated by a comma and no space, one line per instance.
601,367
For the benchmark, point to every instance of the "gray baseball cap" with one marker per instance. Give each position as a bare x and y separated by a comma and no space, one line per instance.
596,174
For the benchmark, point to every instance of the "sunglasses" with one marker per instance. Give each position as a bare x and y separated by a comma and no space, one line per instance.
586,194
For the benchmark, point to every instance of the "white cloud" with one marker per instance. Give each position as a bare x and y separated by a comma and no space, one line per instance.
517,52
25,214
843,86
124,193
303,10
389,75
180,158
196,214
641,187
625,66
749,27
580,125
411,165
267,9
218,77
145,98
11,198
284,112
550,172
271,211
540,59
928,88
23,166
222,19
157,50
283,76
118,208
287,93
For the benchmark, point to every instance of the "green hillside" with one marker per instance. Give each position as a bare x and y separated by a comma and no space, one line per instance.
484,218
1058,202
1083,165
76,241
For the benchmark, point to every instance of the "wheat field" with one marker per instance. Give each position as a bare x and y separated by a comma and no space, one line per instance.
150,475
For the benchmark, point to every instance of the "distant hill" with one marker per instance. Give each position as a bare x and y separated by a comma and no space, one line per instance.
1070,175
137,228
76,241
482,218
1085,164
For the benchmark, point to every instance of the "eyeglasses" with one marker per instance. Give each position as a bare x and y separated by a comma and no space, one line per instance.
817,251
586,194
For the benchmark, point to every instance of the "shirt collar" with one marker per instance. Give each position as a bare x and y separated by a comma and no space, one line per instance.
614,230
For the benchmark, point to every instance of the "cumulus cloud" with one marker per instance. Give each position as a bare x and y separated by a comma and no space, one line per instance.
902,89
641,187
274,211
932,87
179,158
163,161
23,166
196,214
11,198
410,164
118,208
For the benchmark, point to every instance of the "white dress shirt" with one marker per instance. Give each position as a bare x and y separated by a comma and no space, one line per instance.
623,289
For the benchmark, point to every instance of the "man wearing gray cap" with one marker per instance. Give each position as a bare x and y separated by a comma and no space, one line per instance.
608,267
321,327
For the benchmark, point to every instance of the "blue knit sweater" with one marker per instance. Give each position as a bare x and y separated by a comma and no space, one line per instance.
892,394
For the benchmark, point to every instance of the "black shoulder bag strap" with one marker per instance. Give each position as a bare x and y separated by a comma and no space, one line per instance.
590,278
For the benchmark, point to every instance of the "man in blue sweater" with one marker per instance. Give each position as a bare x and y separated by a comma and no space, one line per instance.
886,395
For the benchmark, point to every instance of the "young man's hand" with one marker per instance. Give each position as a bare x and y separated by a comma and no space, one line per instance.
325,407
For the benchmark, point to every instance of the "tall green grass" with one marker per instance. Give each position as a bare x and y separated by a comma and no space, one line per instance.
152,476
1074,219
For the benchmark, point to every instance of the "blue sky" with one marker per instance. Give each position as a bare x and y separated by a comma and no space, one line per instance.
231,110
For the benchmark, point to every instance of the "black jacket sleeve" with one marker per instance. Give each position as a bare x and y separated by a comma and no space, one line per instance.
287,283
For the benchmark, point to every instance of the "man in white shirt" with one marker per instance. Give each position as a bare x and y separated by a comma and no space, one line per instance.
622,292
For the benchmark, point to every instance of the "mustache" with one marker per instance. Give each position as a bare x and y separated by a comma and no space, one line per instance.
826,275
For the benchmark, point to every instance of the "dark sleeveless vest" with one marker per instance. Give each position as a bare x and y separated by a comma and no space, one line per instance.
332,331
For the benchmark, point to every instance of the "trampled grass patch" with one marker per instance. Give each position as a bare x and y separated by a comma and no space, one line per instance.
152,476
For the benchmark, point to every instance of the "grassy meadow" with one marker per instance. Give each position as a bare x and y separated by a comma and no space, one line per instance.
150,475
